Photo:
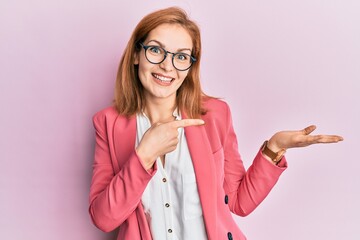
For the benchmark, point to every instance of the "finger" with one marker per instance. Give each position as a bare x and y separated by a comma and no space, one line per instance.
321,139
188,122
329,139
309,129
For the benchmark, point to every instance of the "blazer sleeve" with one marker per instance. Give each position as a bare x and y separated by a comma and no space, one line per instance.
114,196
246,189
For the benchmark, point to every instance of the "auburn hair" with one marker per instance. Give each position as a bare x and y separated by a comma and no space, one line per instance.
129,92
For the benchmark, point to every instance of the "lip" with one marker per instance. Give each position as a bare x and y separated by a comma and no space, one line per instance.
162,79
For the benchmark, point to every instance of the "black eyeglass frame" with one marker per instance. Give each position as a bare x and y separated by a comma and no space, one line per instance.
145,47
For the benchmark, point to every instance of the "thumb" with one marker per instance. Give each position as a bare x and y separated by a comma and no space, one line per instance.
309,129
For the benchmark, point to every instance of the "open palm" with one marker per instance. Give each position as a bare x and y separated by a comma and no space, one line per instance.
299,138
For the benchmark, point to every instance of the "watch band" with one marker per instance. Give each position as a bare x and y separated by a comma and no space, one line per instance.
274,156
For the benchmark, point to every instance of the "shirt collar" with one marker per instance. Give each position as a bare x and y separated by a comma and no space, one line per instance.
176,114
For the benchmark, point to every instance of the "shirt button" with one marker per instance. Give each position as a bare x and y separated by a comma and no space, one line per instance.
226,199
164,179
169,230
167,205
230,236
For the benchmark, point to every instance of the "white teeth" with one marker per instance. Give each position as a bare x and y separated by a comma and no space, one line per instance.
161,78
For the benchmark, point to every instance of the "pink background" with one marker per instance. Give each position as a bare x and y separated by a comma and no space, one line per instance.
279,64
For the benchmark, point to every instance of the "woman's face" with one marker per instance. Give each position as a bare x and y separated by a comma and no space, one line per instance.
161,81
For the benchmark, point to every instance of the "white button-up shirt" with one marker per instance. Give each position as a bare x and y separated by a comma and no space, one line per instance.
171,199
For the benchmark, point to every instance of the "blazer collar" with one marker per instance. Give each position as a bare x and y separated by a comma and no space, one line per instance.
201,155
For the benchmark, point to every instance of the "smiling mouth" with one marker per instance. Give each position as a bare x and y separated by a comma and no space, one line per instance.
162,79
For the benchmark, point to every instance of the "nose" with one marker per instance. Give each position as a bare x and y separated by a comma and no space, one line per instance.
167,64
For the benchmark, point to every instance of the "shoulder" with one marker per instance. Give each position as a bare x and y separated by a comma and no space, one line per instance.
106,118
105,114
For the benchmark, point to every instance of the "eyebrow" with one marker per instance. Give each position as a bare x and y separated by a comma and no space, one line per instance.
163,46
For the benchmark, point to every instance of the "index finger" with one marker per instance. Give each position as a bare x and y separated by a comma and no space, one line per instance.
188,123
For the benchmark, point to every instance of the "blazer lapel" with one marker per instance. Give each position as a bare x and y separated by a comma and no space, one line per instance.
124,144
201,154
124,136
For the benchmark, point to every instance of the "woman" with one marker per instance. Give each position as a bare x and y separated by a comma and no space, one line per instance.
166,159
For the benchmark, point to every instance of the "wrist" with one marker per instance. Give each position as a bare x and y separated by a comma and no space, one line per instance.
147,162
271,144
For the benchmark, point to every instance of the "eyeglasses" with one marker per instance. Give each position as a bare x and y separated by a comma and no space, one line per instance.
156,55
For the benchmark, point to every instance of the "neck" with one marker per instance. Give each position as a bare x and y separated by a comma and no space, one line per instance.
160,110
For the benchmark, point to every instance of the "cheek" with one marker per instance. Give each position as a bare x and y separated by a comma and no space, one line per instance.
143,67
182,75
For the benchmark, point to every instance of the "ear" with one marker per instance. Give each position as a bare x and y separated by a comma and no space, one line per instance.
136,58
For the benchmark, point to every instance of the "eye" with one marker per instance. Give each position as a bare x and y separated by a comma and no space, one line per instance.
155,49
182,56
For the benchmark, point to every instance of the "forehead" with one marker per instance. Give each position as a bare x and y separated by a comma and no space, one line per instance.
172,36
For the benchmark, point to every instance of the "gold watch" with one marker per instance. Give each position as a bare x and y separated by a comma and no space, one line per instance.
274,156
